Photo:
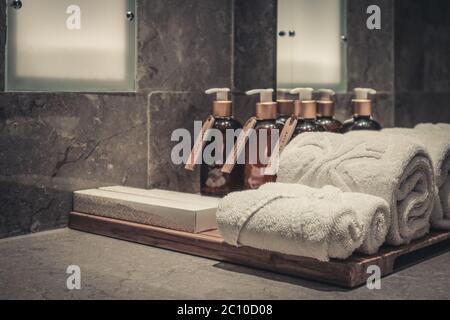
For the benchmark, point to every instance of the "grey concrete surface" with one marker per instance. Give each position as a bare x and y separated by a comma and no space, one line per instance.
34,267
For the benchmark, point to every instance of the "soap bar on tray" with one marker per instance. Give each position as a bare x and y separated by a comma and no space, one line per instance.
166,194
166,209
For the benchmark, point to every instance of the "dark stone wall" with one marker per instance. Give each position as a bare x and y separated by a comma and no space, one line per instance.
370,59
370,52
255,59
255,27
162,173
422,69
2,43
54,143
184,45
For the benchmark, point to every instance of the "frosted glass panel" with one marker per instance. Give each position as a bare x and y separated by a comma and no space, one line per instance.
71,45
311,51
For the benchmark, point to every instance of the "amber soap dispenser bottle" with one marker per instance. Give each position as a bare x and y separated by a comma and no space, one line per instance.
362,115
285,106
306,112
266,121
325,111
214,182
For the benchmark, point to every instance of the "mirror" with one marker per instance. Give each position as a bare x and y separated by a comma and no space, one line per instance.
311,44
66,45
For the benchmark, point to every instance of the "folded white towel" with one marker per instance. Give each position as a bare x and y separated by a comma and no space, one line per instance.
437,126
372,213
394,168
303,221
436,139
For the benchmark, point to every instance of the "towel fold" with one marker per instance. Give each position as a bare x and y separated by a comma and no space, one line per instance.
436,139
437,126
392,167
372,213
302,221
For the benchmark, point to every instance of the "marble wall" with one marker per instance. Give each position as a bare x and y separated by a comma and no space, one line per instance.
162,173
185,47
54,143
254,54
255,28
370,59
2,44
422,68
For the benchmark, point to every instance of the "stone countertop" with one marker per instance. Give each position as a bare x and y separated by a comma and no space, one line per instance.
34,267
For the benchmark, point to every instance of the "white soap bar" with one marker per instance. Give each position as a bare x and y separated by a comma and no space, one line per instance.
172,214
165,194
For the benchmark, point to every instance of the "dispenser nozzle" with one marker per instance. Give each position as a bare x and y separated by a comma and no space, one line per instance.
304,94
222,93
363,93
283,94
326,94
265,94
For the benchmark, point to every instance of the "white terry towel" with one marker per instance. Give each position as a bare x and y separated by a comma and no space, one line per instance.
372,213
436,139
438,126
392,167
307,222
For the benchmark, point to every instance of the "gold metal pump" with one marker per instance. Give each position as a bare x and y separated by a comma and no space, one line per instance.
362,105
222,106
285,105
325,104
305,106
266,108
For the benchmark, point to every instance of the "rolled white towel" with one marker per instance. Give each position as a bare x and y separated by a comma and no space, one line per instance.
438,126
308,222
436,139
392,167
371,212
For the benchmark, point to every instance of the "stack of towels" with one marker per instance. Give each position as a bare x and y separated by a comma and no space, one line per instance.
340,194
436,139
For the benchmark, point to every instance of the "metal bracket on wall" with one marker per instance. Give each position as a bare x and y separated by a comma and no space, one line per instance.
16,4
283,33
130,16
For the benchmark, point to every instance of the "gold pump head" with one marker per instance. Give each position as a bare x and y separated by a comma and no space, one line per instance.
285,102
362,104
304,94
305,106
283,94
325,104
221,93
266,108
265,95
363,93
326,94
222,106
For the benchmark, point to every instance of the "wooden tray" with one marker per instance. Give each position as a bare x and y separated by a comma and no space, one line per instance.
350,273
